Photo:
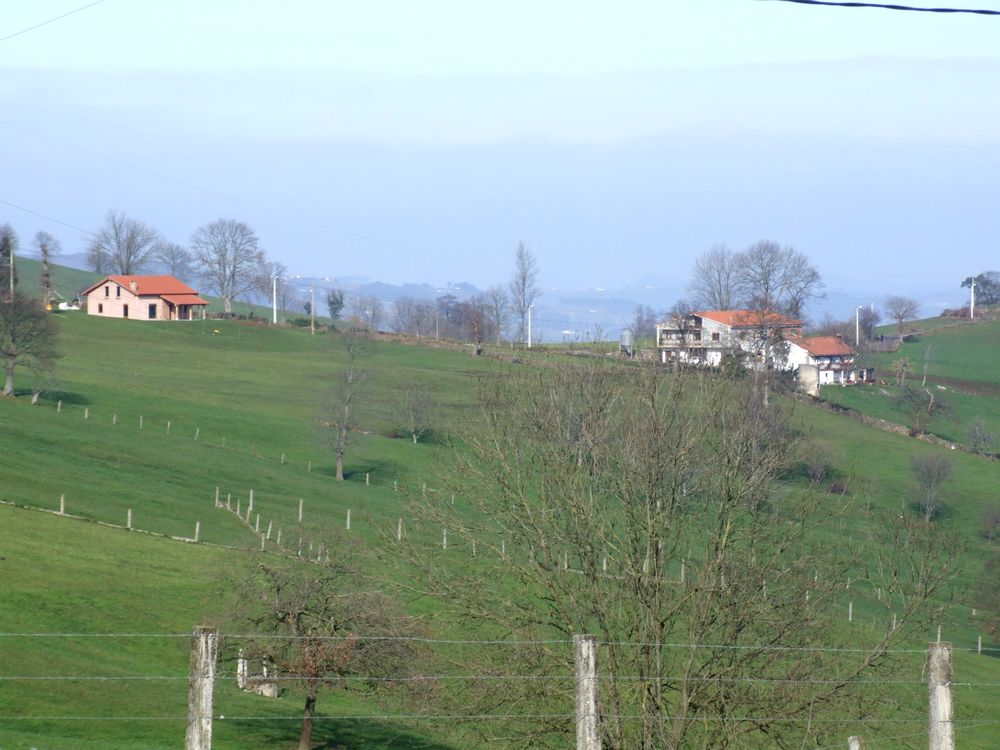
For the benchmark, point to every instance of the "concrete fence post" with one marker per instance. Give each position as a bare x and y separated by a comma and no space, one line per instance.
855,743
62,505
197,531
585,658
300,509
201,683
941,730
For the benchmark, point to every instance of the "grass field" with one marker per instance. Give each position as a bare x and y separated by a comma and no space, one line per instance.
252,394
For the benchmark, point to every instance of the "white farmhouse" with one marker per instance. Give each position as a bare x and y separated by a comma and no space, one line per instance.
832,357
703,338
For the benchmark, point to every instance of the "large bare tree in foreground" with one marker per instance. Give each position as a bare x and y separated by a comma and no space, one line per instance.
645,507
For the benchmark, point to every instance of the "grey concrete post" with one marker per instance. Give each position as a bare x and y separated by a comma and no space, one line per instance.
855,743
941,731
585,657
204,652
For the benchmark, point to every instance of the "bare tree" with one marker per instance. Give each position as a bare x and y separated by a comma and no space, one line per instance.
989,513
47,247
523,287
931,472
8,268
776,279
868,318
368,311
714,279
27,337
271,280
176,258
341,419
126,245
643,506
316,628
921,405
228,256
901,309
988,593
497,304
643,323
981,438
416,404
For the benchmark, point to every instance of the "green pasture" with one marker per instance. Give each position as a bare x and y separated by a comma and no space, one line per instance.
251,394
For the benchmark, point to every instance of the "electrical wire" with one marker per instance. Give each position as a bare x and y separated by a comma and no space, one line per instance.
51,20
888,6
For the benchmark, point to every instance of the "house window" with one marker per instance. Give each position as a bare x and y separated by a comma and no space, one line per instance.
124,311
715,336
100,307
696,335
107,292
152,312
118,292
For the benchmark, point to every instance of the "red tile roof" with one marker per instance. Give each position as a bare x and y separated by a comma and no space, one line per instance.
146,285
184,299
824,346
745,318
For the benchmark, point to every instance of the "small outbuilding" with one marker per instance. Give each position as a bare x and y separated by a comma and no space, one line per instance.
144,298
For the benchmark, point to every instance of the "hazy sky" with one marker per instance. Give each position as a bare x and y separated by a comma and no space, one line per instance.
421,141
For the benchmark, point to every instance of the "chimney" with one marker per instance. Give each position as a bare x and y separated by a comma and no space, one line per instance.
133,285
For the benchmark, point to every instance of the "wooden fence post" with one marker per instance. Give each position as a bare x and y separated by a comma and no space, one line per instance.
941,730
204,652
585,658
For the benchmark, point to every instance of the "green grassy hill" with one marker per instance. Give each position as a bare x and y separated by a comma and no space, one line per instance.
962,362
237,406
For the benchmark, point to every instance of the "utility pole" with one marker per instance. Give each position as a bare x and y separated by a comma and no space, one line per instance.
941,730
274,299
530,308
972,298
857,325
312,311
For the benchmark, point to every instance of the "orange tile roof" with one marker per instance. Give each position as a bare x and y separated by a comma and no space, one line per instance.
738,318
184,299
156,285
824,346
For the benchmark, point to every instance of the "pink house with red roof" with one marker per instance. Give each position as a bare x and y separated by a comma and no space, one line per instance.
144,298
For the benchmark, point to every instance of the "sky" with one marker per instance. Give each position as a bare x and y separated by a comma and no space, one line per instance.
420,142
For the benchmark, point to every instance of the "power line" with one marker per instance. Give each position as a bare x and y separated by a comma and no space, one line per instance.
51,20
47,218
485,717
887,6
496,642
